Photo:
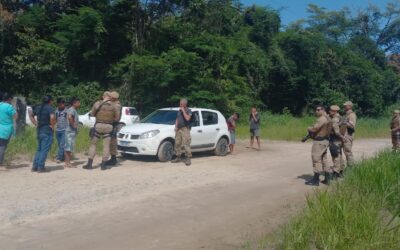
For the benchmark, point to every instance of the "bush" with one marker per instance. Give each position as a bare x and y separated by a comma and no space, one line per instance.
362,212
25,144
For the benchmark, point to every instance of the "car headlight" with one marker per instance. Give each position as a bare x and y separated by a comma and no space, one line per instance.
149,134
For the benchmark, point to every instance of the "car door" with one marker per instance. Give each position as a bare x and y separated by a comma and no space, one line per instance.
196,132
210,128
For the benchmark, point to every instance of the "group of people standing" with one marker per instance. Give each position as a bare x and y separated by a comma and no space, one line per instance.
254,124
336,133
65,122
183,138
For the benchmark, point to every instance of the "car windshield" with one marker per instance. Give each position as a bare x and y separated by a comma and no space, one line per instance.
166,117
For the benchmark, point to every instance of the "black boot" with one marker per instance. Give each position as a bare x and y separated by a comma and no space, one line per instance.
188,162
328,178
103,165
177,159
89,165
113,161
314,181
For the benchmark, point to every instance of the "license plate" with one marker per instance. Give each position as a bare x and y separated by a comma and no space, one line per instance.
124,143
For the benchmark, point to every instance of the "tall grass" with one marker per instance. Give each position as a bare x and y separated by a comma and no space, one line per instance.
362,212
26,144
289,128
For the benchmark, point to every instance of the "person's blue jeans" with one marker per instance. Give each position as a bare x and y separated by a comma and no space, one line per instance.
45,140
60,135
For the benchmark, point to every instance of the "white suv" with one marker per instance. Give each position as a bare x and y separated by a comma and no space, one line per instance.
155,134
129,116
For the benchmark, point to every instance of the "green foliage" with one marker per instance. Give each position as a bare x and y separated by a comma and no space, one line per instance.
217,53
362,212
26,143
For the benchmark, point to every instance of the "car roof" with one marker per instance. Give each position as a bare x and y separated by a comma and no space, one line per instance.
193,109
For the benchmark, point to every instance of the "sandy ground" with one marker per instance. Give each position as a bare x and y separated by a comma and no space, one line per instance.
217,203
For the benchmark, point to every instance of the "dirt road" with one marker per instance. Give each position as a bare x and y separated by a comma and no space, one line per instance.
217,203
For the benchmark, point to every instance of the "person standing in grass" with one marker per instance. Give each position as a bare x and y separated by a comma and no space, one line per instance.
320,134
254,120
61,117
45,124
337,139
395,130
8,116
71,130
232,130
348,127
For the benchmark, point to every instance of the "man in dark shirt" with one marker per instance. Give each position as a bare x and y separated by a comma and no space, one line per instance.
182,133
44,123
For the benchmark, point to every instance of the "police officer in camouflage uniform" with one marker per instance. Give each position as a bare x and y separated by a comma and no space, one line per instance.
320,134
337,139
347,128
106,114
117,127
182,133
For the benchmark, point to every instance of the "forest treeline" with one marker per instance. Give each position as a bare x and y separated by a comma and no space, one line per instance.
218,53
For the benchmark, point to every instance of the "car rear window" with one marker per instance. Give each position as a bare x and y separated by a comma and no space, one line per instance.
209,118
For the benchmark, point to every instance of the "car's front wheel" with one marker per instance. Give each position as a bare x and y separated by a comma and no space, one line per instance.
166,151
222,147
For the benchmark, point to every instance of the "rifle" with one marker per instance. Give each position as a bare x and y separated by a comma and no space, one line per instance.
308,136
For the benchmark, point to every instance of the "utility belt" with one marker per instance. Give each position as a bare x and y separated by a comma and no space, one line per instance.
108,123
186,126
93,132
319,138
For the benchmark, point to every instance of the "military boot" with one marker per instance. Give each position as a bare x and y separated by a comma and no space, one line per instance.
89,165
113,161
188,161
103,165
314,181
177,159
328,178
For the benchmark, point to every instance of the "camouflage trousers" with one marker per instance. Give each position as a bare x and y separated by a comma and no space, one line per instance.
182,142
348,150
319,157
103,131
338,162
396,140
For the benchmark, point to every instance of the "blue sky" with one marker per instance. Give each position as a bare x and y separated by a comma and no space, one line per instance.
292,10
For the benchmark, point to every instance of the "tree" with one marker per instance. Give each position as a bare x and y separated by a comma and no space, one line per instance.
36,65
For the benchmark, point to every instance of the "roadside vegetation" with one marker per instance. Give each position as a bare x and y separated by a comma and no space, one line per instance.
360,212
25,145
290,128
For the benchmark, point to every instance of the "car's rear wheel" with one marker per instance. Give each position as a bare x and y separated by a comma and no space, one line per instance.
222,147
166,151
